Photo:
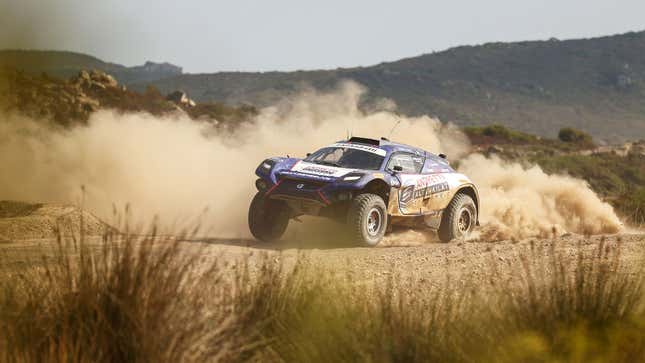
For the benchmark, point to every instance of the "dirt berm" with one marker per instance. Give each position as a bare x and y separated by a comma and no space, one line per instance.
20,221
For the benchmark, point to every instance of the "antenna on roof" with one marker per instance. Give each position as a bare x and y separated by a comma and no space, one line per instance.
394,127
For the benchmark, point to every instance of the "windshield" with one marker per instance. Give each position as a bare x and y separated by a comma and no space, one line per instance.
346,157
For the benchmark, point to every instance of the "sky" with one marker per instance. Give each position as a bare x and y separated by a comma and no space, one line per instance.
205,36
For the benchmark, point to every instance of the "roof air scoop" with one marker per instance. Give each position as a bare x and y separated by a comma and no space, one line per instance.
364,140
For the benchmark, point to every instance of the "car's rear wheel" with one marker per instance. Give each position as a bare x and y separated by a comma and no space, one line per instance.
367,219
268,218
458,219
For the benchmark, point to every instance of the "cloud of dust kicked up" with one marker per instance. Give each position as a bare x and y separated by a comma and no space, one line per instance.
175,168
519,202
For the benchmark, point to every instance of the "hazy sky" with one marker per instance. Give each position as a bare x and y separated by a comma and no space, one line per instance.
210,36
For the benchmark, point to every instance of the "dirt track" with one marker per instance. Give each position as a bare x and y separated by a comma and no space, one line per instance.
429,262
412,256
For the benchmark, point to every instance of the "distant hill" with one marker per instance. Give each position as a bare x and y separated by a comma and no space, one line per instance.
597,85
71,102
68,64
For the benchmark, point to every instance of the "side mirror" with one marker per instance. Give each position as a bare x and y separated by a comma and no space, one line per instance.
443,156
397,168
308,154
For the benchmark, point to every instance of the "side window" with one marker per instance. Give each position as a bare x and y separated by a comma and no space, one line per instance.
410,164
434,165
333,156
418,163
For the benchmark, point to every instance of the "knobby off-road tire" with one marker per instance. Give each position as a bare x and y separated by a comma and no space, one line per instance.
458,219
268,219
367,219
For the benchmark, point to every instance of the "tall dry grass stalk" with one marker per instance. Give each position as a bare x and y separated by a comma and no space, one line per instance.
132,297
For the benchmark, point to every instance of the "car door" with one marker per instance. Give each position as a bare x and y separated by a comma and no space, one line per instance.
407,167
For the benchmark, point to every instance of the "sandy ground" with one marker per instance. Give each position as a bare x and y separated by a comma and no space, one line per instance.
431,263
410,256
20,221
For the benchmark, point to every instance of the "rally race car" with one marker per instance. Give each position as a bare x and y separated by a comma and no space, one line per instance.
371,185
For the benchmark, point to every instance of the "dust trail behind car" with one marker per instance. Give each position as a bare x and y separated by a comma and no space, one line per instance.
175,168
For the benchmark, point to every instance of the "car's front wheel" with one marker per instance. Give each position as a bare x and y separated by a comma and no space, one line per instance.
268,218
367,219
458,219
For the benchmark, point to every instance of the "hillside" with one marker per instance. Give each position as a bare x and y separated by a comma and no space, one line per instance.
539,87
67,64
597,85
70,102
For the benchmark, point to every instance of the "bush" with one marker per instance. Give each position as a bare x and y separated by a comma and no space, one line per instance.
631,204
572,135
497,134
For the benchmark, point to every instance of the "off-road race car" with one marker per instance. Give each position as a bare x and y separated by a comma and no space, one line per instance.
370,185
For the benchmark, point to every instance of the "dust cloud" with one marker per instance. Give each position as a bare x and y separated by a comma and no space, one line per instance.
520,202
182,170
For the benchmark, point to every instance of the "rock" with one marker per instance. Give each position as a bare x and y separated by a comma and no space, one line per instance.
103,79
180,98
94,79
84,75
96,85
82,80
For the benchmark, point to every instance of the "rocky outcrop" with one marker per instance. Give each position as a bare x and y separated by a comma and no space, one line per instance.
49,98
163,69
94,79
72,101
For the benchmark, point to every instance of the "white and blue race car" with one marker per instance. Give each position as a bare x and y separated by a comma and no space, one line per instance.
371,185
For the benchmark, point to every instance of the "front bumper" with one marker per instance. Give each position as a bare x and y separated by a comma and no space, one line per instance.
321,190
300,189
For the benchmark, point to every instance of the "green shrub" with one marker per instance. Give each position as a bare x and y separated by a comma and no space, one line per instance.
631,204
572,135
498,134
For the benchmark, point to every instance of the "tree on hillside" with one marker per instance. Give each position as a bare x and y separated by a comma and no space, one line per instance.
569,134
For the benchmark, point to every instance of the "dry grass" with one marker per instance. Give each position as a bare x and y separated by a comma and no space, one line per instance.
133,299
149,299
